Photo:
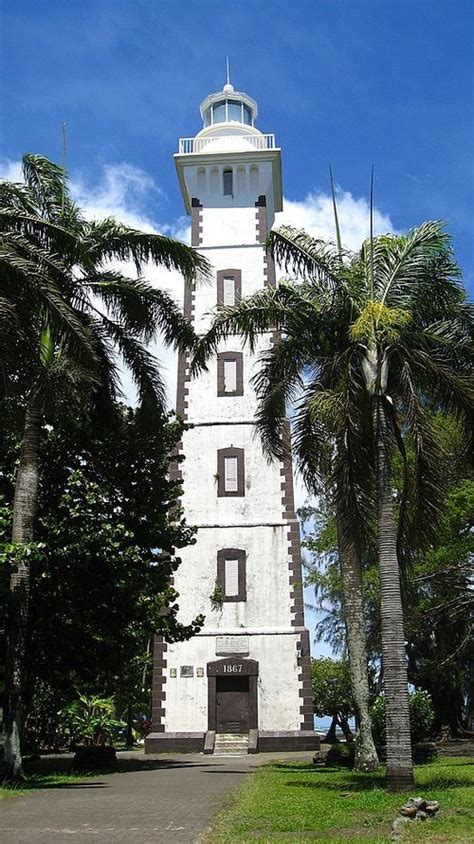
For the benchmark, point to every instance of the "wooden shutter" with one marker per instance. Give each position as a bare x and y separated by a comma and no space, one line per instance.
231,578
230,474
229,290
230,376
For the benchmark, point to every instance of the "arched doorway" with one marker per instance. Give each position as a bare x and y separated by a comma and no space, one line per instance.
232,695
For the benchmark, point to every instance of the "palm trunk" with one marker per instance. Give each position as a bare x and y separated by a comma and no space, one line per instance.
366,758
399,753
24,512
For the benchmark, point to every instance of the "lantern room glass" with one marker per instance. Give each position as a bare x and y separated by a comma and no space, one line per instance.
228,111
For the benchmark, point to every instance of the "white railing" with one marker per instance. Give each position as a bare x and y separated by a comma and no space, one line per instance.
190,146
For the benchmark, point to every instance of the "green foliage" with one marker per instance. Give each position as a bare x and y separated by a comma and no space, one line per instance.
421,717
324,574
91,720
440,602
340,755
217,598
331,687
377,320
108,525
438,597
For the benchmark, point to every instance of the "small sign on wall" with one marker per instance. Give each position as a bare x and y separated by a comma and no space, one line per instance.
186,671
228,645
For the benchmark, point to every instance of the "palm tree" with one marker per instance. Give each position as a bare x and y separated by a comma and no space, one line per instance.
66,314
366,343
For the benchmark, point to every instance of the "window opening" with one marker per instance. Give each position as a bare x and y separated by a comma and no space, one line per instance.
230,472
234,111
230,376
229,290
219,112
227,177
231,573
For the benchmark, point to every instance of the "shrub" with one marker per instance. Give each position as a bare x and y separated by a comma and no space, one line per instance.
92,720
421,716
340,755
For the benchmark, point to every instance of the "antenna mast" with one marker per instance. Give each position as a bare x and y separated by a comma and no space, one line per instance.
227,62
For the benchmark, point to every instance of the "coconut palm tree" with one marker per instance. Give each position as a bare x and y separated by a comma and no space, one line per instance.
66,315
367,343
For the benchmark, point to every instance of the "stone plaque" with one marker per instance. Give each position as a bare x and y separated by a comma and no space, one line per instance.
226,645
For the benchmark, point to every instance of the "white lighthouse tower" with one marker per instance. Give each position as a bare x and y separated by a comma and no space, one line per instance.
244,681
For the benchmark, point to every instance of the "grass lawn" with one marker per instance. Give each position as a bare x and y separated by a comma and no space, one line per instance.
54,772
291,801
44,776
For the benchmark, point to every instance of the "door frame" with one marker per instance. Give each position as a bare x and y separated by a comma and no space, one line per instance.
224,668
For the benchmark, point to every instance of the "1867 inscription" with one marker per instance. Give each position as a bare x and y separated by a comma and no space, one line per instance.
233,668
231,665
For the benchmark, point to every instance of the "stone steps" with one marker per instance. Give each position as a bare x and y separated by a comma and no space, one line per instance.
231,744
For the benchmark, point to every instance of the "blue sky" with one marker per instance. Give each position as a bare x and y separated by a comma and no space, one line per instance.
351,82
346,81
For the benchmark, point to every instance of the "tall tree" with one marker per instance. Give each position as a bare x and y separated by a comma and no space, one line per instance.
78,314
366,341
110,534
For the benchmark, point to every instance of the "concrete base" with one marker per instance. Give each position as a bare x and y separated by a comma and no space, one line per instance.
287,740
174,742
265,742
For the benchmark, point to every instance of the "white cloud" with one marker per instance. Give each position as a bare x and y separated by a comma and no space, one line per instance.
11,170
315,215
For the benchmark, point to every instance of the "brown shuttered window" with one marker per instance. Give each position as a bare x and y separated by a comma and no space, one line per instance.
231,574
229,287
230,374
230,472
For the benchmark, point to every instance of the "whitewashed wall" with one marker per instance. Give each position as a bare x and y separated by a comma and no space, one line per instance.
278,701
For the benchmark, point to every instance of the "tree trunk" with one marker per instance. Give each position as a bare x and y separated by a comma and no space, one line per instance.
366,758
331,737
129,731
24,512
399,753
346,730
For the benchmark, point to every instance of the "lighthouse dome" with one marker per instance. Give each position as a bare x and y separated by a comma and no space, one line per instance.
228,121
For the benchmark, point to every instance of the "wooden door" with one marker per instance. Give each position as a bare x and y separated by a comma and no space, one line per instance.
232,704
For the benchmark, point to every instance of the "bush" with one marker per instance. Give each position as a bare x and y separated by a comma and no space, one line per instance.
340,755
421,717
92,720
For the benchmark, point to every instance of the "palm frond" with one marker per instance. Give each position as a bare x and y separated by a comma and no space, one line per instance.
108,240
46,182
144,308
400,261
268,309
143,368
306,256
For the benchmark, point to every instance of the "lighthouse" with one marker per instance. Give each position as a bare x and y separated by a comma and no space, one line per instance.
244,682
